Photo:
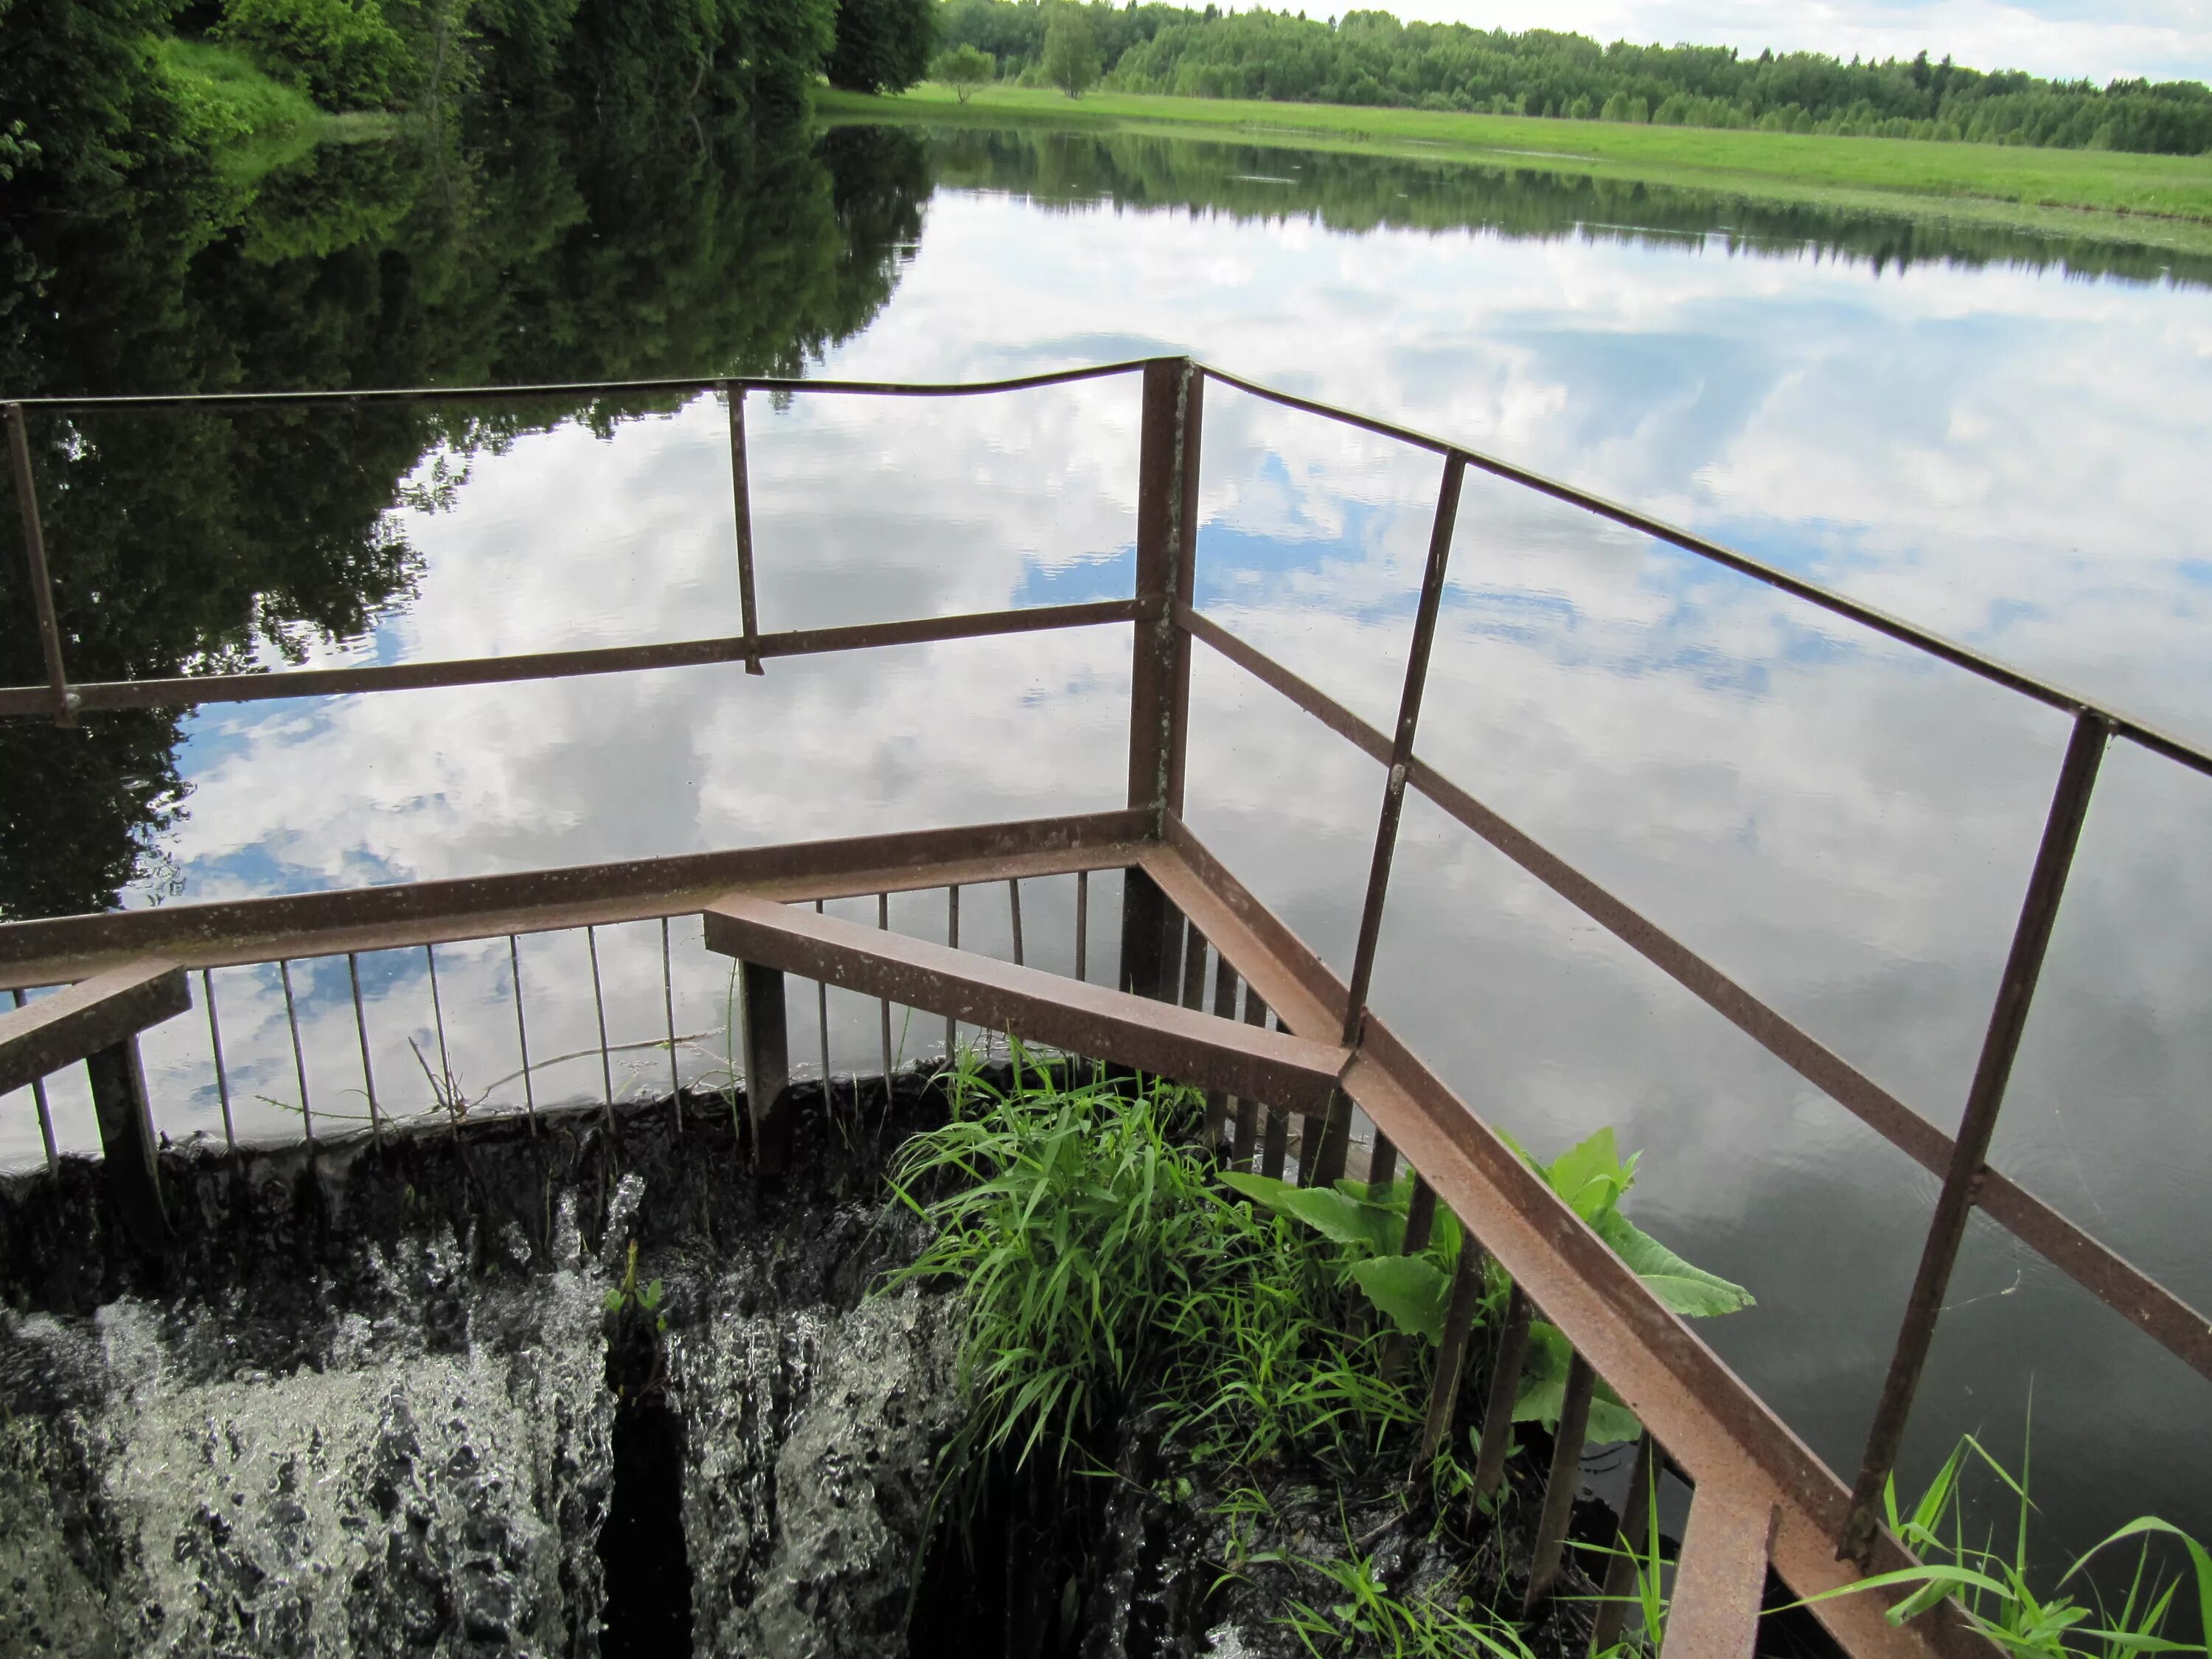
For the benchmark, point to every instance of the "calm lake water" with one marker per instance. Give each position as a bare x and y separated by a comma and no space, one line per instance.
1998,436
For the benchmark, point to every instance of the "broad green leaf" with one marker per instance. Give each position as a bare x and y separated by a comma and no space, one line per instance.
1590,1177
1544,1389
1688,1291
1410,1291
1335,1216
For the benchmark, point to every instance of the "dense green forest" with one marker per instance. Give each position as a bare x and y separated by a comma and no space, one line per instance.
93,92
1369,57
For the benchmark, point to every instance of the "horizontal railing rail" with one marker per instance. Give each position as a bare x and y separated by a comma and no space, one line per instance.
691,384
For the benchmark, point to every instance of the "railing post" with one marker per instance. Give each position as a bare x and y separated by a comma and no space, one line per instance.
1167,536
34,555
768,1063
126,1142
1402,746
742,505
1451,1348
2039,914
1504,1390
1560,1482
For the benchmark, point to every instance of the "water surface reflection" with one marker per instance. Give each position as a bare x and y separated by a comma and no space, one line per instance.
1996,435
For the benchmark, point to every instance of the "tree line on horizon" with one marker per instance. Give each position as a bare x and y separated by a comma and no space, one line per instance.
1370,58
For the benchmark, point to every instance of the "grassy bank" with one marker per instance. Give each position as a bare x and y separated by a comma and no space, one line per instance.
248,120
2163,200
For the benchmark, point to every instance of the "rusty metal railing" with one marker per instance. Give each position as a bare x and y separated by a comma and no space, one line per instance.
1762,1495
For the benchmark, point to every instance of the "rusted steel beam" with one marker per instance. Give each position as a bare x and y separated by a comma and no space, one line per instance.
1720,1582
2181,1329
1082,1019
438,394
126,1142
60,702
1692,1402
766,1040
2031,941
1560,1482
192,691
79,1020
1167,530
1882,621
230,932
741,509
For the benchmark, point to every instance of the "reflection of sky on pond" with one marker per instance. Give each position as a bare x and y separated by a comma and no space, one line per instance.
2012,459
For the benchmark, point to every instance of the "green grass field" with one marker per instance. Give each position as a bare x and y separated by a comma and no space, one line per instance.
2163,200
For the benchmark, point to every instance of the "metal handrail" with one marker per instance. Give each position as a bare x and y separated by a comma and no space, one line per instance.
1166,624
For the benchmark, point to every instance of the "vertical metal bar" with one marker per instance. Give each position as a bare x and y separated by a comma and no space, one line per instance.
1401,745
668,1008
952,942
1149,962
822,1019
222,1072
1276,1142
1193,997
299,1056
522,1033
1420,1217
768,1063
1248,1112
1559,1484
1420,1221
1014,910
1612,1618
126,1141
1332,1136
1504,1390
438,1016
1451,1350
2039,914
1167,528
361,1030
599,1005
1382,1164
884,922
46,1119
1193,981
34,555
741,496
1083,924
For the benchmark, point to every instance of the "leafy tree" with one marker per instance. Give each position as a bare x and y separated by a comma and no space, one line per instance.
963,68
83,99
882,45
343,52
1070,55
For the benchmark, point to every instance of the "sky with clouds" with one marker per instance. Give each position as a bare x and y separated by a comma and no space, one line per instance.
2099,38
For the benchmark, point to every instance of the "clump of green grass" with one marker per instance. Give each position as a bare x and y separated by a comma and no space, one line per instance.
1989,1578
1107,1271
